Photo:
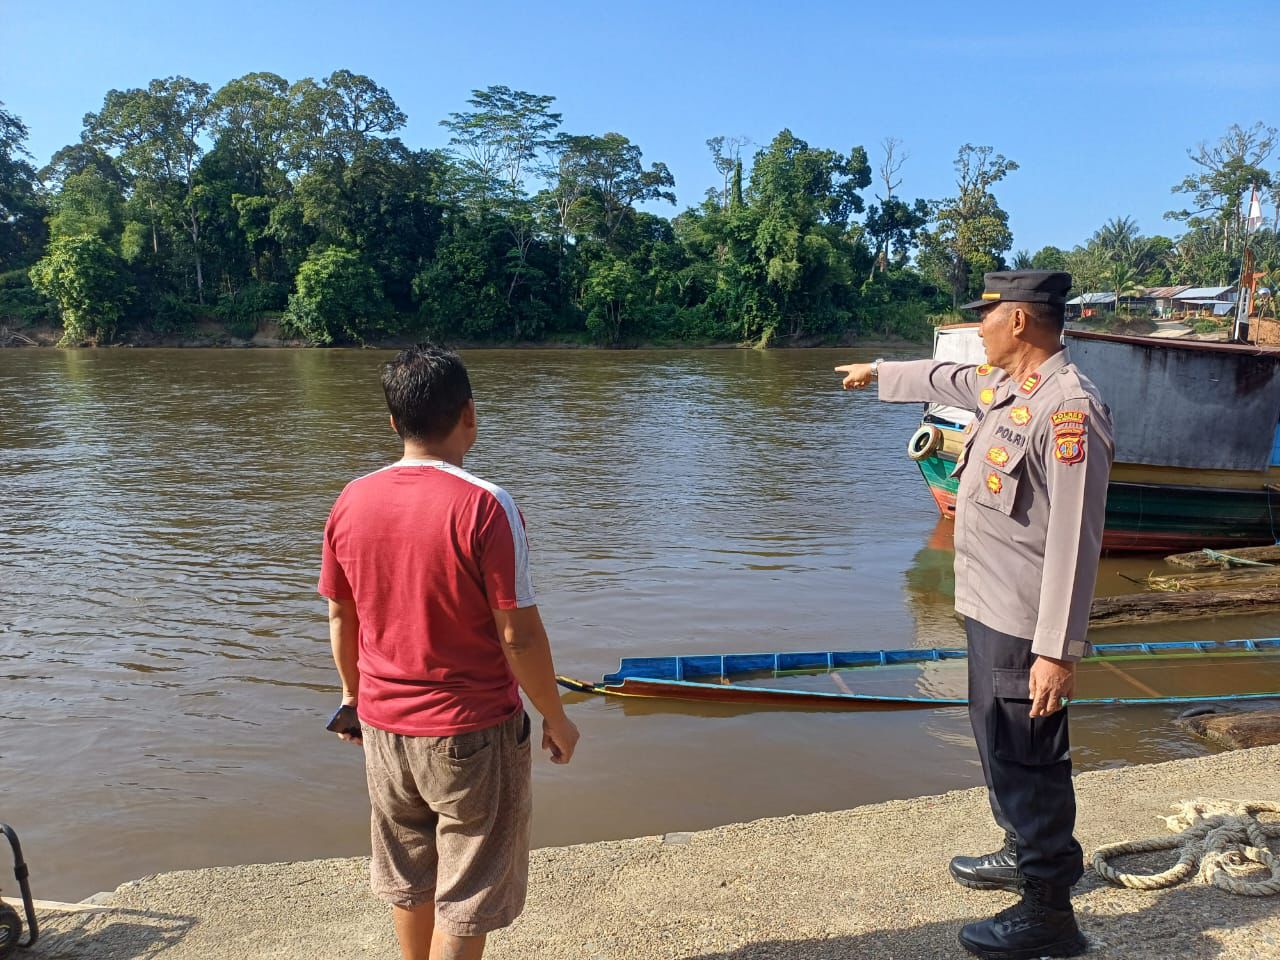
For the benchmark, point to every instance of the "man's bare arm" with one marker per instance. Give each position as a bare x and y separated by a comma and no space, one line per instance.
344,638
528,652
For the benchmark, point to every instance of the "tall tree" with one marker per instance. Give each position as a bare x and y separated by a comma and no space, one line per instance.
499,142
726,155
333,120
893,225
22,230
1227,170
500,139
157,134
800,200
609,178
250,123
971,231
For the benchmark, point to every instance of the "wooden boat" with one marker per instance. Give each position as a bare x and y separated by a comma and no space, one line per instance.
1115,673
1197,446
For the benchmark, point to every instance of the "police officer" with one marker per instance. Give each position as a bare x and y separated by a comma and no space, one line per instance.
1029,517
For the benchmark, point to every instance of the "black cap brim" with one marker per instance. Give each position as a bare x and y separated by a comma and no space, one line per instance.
979,304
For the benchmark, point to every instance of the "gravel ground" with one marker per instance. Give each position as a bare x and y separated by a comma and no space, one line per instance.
868,882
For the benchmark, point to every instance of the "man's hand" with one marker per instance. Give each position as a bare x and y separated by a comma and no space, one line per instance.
857,376
1052,681
560,737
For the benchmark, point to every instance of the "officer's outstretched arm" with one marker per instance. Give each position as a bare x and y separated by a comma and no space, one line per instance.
1078,452
934,381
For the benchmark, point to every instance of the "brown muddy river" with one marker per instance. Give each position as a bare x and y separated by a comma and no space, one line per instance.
164,658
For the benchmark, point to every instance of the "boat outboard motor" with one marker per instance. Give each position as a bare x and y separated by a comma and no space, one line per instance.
10,922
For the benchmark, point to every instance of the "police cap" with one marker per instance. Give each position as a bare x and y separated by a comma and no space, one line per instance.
1023,286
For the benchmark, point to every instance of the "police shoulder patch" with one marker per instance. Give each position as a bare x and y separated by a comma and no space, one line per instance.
1068,435
1068,448
984,370
1069,420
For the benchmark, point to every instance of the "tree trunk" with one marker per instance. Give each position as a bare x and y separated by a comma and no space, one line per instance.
195,249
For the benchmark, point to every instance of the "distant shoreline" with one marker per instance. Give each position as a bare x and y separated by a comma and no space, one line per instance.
209,338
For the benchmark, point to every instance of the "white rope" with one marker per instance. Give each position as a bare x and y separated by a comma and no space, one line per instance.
1219,842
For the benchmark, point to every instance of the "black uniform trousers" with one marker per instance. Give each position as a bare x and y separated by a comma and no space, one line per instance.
1026,761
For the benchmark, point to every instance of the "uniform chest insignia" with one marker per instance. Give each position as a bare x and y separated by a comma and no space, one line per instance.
984,370
994,483
1029,385
1020,415
987,395
998,456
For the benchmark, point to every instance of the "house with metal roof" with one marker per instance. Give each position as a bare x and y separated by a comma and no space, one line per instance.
1218,301
1162,297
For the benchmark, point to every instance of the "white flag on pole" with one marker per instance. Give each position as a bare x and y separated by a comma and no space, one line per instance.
1254,220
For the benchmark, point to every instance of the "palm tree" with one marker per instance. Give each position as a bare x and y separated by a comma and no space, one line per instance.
1022,260
1116,234
1125,281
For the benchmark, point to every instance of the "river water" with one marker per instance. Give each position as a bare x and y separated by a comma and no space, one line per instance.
164,658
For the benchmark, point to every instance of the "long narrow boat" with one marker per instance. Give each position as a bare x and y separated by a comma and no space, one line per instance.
1115,673
1197,446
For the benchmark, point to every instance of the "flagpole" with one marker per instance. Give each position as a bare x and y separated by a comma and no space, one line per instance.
1244,295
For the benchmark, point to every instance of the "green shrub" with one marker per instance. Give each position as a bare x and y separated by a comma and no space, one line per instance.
242,311
339,300
173,316
21,305
88,282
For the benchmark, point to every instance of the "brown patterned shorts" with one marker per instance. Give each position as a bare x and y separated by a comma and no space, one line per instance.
451,823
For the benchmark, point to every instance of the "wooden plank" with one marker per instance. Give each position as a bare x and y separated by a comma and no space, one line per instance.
1164,607
1198,560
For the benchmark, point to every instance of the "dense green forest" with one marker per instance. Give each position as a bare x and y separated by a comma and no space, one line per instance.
297,203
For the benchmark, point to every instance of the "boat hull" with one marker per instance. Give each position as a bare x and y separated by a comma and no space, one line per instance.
1154,517
729,678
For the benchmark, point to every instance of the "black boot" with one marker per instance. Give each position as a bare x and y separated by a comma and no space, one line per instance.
992,871
1042,924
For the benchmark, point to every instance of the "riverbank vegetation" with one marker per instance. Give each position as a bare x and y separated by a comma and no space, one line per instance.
298,203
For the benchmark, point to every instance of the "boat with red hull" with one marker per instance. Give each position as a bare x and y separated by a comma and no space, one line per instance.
1197,448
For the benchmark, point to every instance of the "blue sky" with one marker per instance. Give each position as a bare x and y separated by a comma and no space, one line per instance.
1097,102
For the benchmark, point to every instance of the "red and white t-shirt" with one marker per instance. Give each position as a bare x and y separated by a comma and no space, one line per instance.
427,551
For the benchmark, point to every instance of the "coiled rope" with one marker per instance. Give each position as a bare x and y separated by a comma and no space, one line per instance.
1220,842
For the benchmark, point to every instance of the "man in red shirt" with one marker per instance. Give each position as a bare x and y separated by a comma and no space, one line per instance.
435,630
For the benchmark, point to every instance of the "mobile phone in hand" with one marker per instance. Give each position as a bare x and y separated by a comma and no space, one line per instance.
345,720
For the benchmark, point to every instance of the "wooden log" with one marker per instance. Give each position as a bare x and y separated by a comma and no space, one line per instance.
1237,730
1210,579
1199,560
1163,607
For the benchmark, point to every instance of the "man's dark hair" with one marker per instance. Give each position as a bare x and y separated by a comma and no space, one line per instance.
427,388
1046,314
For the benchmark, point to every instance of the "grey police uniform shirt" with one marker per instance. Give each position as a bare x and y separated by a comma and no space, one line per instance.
1032,496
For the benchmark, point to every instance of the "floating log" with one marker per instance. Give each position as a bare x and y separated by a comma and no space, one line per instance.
1163,607
1237,730
1206,559
1261,576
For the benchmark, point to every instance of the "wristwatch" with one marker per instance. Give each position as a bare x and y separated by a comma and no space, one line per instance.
875,367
